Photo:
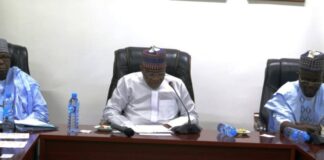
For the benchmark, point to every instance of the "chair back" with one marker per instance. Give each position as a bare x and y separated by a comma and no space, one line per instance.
277,73
128,60
19,57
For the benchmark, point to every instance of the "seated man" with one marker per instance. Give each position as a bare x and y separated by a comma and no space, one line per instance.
146,97
300,104
24,90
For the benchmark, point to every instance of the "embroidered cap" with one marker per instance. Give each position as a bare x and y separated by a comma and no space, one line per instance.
312,60
3,46
154,58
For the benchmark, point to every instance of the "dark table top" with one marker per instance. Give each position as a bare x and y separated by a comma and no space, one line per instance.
206,137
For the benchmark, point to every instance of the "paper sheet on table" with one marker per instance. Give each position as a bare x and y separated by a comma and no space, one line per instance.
179,121
13,144
150,129
267,135
155,134
14,135
6,156
33,122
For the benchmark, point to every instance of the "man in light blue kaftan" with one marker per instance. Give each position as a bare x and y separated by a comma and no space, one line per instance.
300,104
24,90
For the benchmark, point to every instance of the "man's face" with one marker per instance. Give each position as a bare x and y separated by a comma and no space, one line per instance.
153,78
4,65
310,82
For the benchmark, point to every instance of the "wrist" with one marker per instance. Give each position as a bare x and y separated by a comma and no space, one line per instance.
286,124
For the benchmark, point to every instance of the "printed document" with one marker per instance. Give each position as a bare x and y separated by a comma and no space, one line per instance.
150,129
14,135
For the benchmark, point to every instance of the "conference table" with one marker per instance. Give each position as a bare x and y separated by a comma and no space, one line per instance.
207,145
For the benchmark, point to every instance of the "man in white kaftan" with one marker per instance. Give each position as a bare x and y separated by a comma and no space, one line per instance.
146,97
141,104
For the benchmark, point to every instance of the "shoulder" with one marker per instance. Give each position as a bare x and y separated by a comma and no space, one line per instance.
18,73
289,89
322,87
321,91
132,77
172,78
177,81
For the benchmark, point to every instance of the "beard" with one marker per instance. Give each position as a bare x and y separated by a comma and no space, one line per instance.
154,84
309,91
3,74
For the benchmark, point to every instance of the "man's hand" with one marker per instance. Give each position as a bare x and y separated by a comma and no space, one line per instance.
313,129
103,122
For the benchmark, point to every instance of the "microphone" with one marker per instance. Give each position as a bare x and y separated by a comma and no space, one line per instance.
127,131
188,128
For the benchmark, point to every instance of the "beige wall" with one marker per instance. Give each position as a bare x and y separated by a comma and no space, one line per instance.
71,45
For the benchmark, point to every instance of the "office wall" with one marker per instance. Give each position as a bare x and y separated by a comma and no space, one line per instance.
71,45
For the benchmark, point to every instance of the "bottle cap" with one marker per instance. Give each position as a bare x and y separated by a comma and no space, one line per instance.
306,136
74,95
233,132
219,126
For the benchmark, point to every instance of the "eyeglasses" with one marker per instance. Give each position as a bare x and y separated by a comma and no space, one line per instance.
309,83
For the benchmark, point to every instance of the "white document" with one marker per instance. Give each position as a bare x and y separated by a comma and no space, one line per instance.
267,135
33,122
85,131
155,134
150,129
13,144
14,135
6,156
179,121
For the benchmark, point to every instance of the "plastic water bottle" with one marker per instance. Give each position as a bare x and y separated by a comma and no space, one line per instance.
73,112
296,135
8,114
226,129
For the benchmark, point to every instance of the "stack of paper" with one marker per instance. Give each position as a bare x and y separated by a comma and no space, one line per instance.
33,125
7,138
151,130
14,135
